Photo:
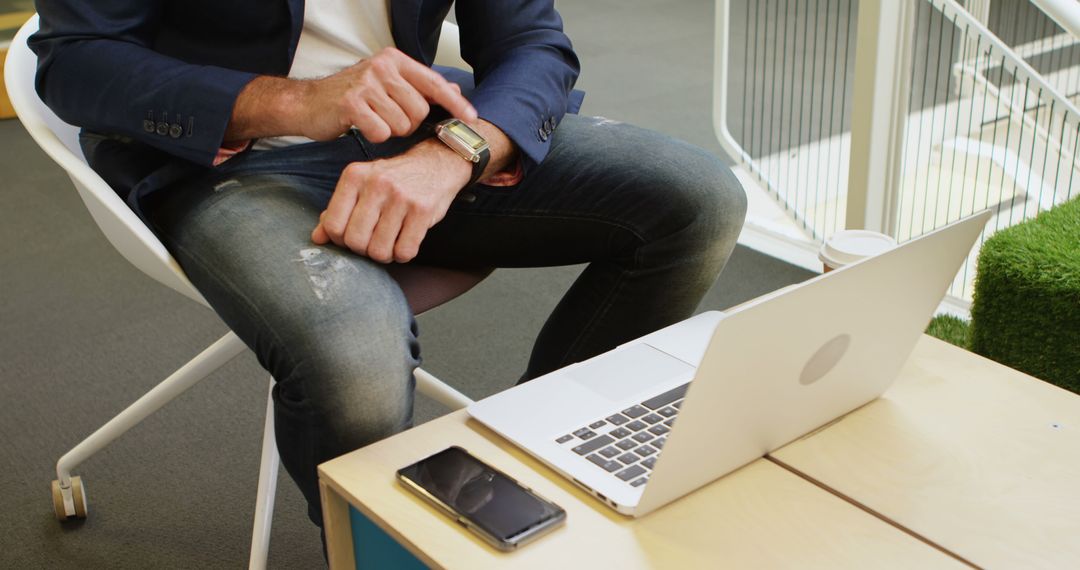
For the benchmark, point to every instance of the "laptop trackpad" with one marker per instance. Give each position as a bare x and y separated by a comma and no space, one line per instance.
634,369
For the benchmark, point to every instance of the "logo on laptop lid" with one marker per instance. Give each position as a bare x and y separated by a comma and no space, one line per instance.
825,359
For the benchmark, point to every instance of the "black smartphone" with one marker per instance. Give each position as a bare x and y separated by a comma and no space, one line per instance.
481,498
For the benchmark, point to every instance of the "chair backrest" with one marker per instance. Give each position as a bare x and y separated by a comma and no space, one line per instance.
124,230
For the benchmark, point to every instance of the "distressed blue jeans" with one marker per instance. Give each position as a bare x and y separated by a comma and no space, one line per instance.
654,218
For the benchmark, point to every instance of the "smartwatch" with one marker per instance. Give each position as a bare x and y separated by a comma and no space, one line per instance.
467,143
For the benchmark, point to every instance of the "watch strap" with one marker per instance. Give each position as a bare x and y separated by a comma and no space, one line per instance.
479,166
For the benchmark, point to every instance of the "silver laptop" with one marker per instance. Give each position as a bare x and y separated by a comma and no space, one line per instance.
631,428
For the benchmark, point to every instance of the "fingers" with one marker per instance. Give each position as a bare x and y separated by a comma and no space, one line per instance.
412,233
436,88
370,124
319,235
396,119
410,100
365,216
335,219
383,209
390,96
385,233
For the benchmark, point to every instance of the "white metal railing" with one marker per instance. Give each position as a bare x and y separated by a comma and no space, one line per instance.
791,107
896,116
1002,136
1035,36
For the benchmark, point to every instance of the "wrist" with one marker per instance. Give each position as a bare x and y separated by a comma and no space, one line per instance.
269,106
293,102
443,159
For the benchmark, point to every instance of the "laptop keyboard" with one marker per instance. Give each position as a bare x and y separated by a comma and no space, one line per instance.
626,444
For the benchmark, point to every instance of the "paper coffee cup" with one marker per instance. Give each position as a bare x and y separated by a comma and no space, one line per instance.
848,246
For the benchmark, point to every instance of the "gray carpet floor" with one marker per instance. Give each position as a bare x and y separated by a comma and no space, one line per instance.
83,334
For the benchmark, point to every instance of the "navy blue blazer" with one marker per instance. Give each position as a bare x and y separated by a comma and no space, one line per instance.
165,74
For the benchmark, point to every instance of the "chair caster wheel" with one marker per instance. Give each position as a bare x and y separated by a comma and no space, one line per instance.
77,493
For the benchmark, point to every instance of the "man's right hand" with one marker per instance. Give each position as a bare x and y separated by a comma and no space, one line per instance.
384,96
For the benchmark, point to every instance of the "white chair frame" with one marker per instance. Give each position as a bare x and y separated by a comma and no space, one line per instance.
142,248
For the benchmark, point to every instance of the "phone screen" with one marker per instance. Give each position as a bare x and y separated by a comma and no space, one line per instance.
487,498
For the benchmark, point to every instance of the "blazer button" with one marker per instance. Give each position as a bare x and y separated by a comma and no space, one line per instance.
176,130
148,125
163,128
542,134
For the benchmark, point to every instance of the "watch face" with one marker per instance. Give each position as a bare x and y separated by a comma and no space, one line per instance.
466,135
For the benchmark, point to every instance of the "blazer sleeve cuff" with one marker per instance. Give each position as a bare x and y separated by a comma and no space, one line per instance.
530,128
204,109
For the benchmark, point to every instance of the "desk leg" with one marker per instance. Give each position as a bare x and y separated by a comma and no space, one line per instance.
339,536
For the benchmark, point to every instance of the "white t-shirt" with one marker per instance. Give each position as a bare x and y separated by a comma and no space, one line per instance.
336,34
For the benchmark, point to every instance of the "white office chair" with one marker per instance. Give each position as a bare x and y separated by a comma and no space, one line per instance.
424,287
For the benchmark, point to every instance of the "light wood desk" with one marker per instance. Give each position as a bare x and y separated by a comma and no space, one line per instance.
760,516
975,457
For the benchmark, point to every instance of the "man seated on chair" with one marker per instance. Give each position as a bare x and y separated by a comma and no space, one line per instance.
286,155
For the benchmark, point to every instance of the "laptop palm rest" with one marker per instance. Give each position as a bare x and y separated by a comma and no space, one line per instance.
632,370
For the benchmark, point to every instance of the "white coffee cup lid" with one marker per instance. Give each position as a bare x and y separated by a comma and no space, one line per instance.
848,246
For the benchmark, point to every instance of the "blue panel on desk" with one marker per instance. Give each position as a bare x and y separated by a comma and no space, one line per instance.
376,550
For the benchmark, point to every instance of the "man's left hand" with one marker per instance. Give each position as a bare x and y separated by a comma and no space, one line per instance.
383,209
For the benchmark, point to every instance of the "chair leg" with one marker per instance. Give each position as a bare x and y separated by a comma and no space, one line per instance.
69,498
439,391
264,501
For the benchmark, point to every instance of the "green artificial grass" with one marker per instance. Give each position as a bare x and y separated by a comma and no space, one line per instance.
953,330
1026,309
